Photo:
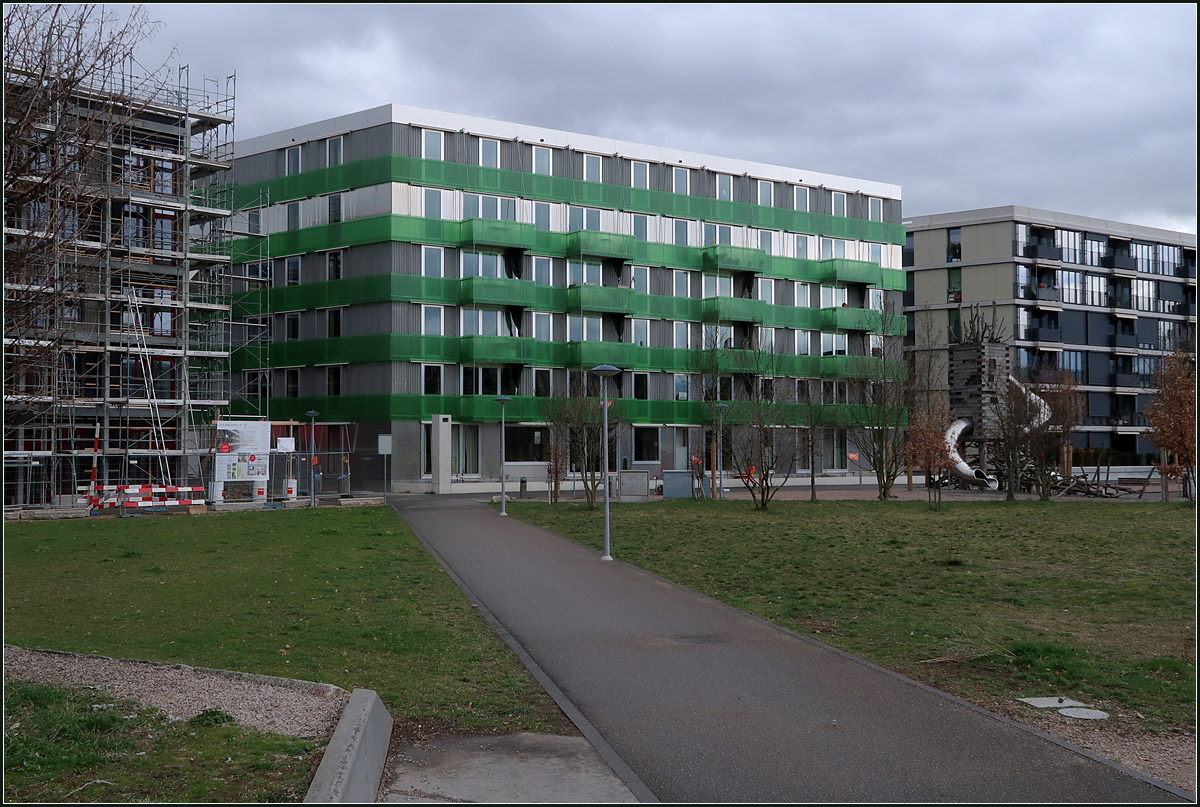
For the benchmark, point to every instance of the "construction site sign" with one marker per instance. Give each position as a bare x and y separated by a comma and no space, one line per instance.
243,450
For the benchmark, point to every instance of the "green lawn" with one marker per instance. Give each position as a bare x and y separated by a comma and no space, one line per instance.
1096,601
82,746
339,595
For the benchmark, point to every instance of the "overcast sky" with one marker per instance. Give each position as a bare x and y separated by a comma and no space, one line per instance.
1086,109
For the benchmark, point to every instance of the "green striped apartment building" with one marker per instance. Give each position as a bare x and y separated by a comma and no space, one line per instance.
401,264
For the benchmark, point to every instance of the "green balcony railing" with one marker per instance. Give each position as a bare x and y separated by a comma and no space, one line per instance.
843,270
738,259
510,350
601,299
497,291
733,309
490,233
595,244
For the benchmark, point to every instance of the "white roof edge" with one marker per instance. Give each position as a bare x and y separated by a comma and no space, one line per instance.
448,121
1035,215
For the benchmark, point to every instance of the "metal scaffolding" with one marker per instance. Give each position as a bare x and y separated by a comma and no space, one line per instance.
129,356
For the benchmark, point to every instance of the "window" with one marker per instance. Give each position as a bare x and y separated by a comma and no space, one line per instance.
333,323
640,175
582,218
487,322
640,276
489,153
641,386
833,344
717,336
875,299
765,240
680,233
639,227
1070,284
333,151
433,203
583,274
292,161
291,326
725,187
431,320
333,380
683,283
493,208
541,160
525,443
874,209
715,234
681,387
804,343
431,379
802,248
832,248
718,285
254,222
953,244
839,203
639,332
832,297
1145,295
432,261
541,383
875,340
256,382
683,335
477,264
292,270
541,216
679,180
541,271
291,383
766,340
583,329
803,294
543,326
801,199
293,216
875,253
645,444
591,168
333,265
431,145
765,192
766,290
335,208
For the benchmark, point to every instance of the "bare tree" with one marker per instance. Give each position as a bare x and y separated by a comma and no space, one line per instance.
810,414
763,449
1171,416
1048,441
65,92
880,397
576,427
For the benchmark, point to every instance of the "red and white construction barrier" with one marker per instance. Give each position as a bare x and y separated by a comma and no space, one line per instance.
149,503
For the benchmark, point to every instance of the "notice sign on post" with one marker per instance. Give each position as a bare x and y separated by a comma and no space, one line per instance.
243,450
385,444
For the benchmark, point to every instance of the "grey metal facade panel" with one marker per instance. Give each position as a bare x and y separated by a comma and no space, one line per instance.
257,168
406,140
892,211
369,378
369,318
363,144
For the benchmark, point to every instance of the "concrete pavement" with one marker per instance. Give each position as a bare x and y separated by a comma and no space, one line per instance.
703,702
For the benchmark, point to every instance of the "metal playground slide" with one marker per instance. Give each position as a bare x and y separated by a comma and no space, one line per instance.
977,476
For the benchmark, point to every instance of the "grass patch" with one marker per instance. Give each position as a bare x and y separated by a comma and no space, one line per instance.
985,599
81,746
343,596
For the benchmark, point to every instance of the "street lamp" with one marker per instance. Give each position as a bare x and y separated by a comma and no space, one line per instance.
502,400
720,407
605,371
312,457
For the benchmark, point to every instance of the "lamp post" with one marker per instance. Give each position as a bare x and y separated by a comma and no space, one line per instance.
720,407
605,371
312,457
503,401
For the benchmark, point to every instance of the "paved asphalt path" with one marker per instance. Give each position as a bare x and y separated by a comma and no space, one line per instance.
706,703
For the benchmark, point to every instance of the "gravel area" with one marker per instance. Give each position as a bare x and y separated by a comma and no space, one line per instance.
265,703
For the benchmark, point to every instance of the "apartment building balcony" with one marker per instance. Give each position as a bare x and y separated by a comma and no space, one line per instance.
600,299
850,319
1125,263
737,259
510,350
1124,343
498,291
492,233
1048,298
844,270
1043,252
1125,380
1043,334
733,309
1122,308
595,244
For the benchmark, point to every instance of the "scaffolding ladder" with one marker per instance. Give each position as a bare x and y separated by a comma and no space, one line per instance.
158,437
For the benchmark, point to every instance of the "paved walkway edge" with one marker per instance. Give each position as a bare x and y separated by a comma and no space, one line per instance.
606,751
352,767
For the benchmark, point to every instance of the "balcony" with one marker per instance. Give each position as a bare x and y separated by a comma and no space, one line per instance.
733,309
600,299
843,270
509,350
595,244
849,319
1043,252
490,233
497,291
1043,334
1124,342
1125,380
1125,263
738,259
1046,295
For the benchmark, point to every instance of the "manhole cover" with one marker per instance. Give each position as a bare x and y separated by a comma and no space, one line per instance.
1084,714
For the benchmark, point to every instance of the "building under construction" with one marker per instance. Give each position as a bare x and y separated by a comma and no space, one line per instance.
116,282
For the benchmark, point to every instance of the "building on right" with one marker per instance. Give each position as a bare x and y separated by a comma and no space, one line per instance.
1101,299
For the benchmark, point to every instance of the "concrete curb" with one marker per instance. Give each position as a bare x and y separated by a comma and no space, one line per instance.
352,767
